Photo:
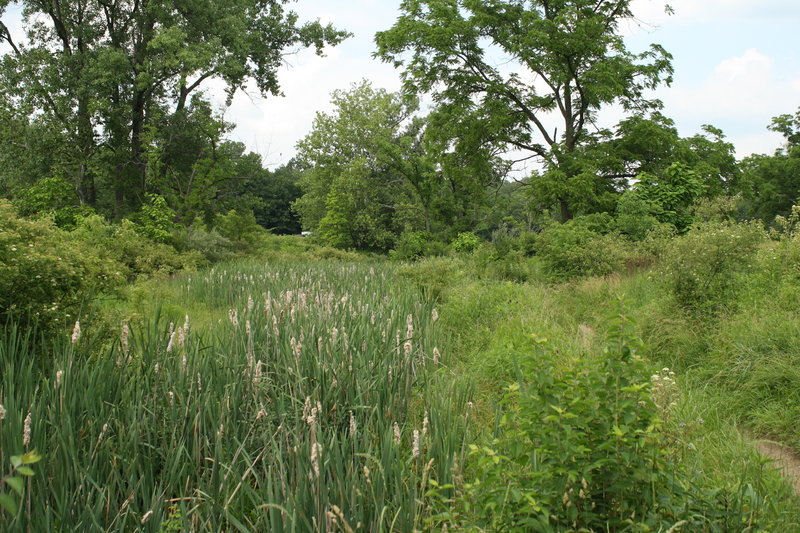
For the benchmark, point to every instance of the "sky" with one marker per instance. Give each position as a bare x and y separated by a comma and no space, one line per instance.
736,66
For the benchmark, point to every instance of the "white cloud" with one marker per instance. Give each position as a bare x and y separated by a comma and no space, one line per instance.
711,11
740,96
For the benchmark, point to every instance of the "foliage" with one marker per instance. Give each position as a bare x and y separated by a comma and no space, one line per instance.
20,466
53,196
104,76
466,242
578,447
575,48
47,272
700,268
155,220
414,245
241,229
670,195
210,243
577,249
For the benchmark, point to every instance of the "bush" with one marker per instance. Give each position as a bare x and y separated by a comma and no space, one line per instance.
579,449
155,220
573,250
433,275
466,242
700,268
47,272
413,245
210,243
239,228
135,257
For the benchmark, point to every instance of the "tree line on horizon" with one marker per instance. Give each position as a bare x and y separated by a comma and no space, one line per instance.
102,111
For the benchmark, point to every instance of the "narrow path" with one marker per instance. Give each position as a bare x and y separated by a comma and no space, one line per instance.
785,460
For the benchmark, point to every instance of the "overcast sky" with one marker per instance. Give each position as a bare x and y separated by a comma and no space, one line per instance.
737,64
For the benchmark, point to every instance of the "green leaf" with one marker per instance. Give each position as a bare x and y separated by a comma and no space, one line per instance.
25,471
31,457
16,460
8,504
16,484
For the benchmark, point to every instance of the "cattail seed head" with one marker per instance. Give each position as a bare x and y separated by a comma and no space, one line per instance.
415,445
233,316
26,431
353,427
425,424
76,332
434,315
124,339
436,356
147,516
59,376
2,412
396,434
316,452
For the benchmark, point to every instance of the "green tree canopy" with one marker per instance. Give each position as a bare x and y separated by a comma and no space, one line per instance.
102,71
563,59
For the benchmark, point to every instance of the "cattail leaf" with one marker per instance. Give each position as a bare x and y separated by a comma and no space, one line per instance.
8,504
15,483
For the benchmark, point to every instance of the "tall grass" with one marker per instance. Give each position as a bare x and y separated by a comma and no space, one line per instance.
312,403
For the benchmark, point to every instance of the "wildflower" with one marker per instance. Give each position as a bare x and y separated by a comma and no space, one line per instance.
76,332
26,431
415,445
396,434
59,375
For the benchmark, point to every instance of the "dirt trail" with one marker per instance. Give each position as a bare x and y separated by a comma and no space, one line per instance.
785,460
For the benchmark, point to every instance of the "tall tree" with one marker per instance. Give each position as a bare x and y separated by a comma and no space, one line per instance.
103,68
514,66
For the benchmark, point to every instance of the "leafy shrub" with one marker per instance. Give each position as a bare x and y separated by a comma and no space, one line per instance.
466,242
46,271
413,245
239,228
54,197
579,449
573,250
155,219
635,216
210,243
134,256
700,268
433,275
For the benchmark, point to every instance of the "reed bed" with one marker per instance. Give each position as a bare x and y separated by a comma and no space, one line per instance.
317,400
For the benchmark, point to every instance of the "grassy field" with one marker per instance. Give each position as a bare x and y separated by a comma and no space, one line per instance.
327,396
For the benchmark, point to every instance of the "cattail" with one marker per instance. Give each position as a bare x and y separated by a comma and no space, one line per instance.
353,427
171,398
26,430
2,412
275,325
250,303
366,473
316,452
76,332
407,347
436,356
157,367
425,424
434,315
334,335
199,383
233,316
184,363
186,325
396,434
146,516
257,372
415,445
59,375
124,339
409,326
171,341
